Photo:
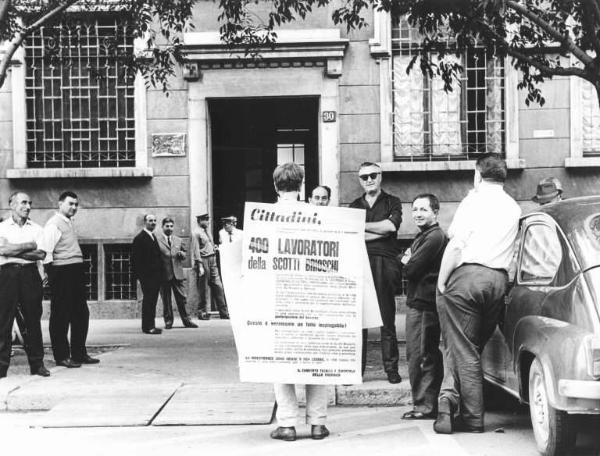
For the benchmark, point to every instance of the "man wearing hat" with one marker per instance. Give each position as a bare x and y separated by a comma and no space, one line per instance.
229,232
549,190
204,258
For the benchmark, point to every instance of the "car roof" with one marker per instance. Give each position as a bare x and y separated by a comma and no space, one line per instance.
575,217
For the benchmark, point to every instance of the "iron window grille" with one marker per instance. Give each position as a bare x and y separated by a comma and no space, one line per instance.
119,281
90,263
80,96
430,124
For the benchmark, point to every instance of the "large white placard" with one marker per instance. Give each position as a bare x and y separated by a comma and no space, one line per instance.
302,292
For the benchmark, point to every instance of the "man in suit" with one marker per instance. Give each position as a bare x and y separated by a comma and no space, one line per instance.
147,268
172,254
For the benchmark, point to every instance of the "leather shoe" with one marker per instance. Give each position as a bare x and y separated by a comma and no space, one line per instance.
284,433
394,377
461,426
444,423
203,316
224,317
87,359
416,415
67,363
169,325
318,431
153,331
189,324
41,371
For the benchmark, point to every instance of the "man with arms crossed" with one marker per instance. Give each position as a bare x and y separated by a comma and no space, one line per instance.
66,276
471,288
421,267
20,283
384,215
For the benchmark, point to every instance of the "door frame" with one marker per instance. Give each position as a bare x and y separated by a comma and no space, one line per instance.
257,83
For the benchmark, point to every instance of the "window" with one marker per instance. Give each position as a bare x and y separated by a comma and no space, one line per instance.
119,281
430,124
590,120
79,114
90,262
542,255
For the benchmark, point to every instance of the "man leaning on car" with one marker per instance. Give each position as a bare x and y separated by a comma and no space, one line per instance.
471,287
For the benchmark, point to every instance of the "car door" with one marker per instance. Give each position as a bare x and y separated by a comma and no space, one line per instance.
537,270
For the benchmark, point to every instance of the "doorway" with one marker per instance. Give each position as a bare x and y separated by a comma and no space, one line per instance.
250,137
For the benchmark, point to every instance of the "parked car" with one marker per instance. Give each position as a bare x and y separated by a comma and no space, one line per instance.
546,349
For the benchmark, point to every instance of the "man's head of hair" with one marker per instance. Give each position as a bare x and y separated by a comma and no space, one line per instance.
68,194
367,165
434,202
148,215
492,167
12,196
324,187
288,177
167,220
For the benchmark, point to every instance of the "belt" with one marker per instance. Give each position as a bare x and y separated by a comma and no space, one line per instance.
502,270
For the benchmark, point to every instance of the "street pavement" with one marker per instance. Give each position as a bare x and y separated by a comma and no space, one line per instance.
141,374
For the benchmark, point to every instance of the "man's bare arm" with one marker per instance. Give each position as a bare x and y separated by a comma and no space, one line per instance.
33,255
373,236
450,261
13,250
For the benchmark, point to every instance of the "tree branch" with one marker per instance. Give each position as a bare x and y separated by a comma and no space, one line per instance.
566,40
545,69
17,41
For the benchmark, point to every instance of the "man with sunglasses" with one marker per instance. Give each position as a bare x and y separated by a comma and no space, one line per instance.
383,217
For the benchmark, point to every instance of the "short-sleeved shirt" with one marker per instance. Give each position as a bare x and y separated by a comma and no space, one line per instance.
485,226
386,207
13,233
202,244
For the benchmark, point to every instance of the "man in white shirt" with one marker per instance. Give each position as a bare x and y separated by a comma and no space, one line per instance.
21,283
471,287
229,232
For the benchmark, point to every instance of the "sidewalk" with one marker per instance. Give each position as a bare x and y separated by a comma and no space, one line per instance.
136,365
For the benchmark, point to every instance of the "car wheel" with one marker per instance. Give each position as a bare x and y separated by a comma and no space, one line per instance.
550,426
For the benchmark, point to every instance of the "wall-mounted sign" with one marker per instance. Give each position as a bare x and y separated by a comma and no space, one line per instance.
169,145
328,116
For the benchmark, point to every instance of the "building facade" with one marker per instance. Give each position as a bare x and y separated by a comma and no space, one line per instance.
322,97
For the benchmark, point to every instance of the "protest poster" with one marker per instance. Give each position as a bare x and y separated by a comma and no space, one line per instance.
302,276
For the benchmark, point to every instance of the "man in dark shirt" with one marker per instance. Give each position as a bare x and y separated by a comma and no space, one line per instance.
384,215
421,267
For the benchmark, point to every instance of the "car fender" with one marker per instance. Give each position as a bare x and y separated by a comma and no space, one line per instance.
556,344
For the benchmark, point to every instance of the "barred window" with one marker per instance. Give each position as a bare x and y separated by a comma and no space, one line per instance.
591,120
79,96
119,279
430,124
90,262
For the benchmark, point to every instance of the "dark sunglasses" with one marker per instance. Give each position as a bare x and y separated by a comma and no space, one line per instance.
365,177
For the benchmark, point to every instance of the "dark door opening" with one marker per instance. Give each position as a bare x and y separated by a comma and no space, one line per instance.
250,137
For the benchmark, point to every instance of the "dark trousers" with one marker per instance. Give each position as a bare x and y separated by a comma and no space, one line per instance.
68,308
385,275
211,280
468,310
180,299
150,289
21,286
425,368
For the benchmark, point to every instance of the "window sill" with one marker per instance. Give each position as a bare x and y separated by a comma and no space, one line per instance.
582,162
458,165
45,173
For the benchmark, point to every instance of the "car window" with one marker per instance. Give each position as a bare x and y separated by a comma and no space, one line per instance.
541,255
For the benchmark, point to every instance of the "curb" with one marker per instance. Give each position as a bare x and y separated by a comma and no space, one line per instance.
375,393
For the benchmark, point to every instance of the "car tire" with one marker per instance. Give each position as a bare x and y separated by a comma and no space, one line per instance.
551,427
